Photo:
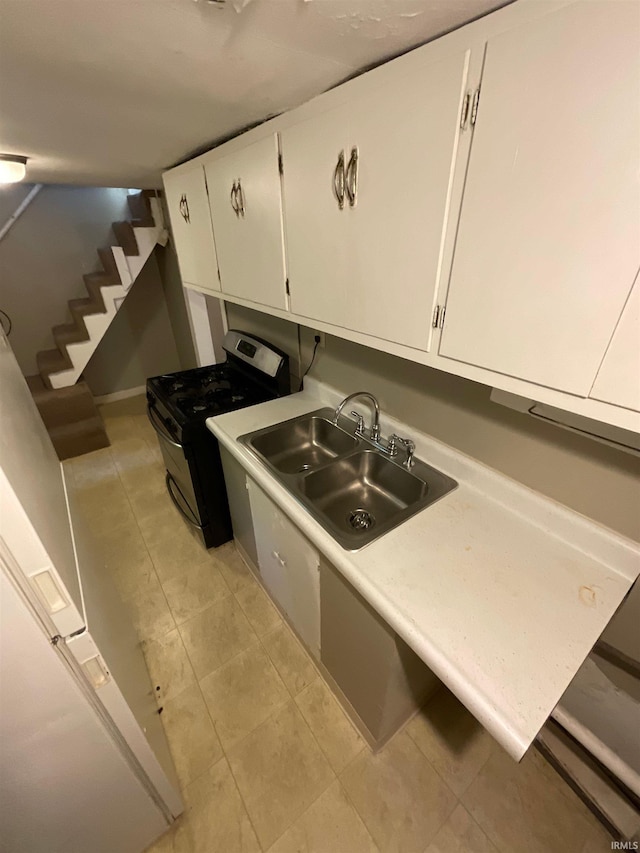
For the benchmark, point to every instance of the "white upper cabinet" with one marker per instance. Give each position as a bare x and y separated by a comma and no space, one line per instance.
618,379
548,241
186,194
366,187
246,210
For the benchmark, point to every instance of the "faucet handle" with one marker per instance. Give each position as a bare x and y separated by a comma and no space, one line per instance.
360,424
410,445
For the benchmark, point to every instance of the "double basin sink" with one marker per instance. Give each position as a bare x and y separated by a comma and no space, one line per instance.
354,490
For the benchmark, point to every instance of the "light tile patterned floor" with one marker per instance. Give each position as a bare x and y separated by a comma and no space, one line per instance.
266,758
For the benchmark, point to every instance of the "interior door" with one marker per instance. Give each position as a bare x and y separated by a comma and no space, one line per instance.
373,267
128,695
547,244
188,204
246,209
64,782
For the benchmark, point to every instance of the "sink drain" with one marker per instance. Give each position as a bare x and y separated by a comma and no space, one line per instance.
360,519
304,468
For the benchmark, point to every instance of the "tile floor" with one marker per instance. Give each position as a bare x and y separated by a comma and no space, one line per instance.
266,758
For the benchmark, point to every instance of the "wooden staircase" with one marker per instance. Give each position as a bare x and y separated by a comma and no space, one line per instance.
65,402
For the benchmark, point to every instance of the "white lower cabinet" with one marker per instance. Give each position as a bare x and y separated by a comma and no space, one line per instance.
377,678
383,681
289,567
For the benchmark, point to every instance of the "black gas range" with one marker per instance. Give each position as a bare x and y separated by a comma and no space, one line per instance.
178,405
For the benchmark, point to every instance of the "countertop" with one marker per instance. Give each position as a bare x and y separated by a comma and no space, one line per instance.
501,591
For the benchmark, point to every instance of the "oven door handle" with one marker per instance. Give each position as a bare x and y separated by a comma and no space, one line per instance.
169,481
161,432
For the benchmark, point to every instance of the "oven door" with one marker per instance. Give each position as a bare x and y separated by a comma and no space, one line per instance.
179,479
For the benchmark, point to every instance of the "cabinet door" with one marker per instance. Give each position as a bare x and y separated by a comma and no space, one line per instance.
383,679
289,567
235,480
373,267
316,240
547,244
247,222
186,194
618,380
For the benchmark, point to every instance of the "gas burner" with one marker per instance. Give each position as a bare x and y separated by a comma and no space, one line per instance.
172,385
197,383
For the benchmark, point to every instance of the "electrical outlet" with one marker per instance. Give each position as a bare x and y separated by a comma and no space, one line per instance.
320,335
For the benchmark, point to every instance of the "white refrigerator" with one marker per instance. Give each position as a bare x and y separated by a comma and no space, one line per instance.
84,762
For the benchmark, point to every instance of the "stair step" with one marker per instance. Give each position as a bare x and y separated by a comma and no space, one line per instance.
94,282
80,308
59,406
58,361
36,385
71,417
140,210
126,237
51,361
69,333
109,263
83,436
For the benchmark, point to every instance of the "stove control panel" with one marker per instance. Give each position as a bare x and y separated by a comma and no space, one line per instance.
253,352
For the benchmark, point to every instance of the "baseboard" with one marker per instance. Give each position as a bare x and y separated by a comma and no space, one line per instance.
120,395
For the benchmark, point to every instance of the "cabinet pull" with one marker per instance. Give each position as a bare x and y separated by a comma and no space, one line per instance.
233,198
240,198
338,181
351,183
184,208
282,562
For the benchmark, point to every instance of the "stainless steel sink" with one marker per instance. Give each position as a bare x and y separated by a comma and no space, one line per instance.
302,444
348,485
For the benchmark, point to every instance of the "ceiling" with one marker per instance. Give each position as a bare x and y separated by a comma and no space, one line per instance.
111,92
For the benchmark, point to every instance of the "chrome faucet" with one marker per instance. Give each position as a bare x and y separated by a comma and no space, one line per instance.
391,447
375,426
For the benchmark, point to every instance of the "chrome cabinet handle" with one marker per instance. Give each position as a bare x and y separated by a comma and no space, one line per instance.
351,182
233,198
240,198
184,208
338,181
282,562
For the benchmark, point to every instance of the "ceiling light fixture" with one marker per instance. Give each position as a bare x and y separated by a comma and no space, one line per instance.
13,168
